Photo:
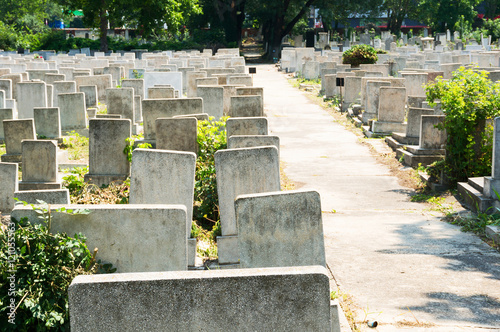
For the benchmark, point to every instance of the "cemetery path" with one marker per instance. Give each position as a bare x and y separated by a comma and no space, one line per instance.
399,262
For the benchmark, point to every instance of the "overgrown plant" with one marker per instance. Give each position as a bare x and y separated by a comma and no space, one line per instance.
211,138
469,101
360,54
131,146
36,269
76,145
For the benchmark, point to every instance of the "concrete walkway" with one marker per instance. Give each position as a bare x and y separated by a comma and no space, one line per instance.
402,266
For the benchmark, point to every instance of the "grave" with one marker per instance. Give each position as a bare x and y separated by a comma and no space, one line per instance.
431,146
273,232
492,183
132,237
102,82
48,123
39,158
245,80
177,134
28,96
270,299
241,171
159,93
246,126
161,78
173,183
246,106
6,87
121,101
191,78
50,196
252,141
73,111
213,100
5,114
372,99
391,111
8,185
62,87
90,95
153,109
137,84
15,132
107,140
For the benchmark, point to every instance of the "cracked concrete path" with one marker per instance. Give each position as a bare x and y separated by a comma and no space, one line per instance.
401,264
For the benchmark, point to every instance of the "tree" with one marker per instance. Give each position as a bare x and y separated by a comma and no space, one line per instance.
341,10
397,10
149,16
444,14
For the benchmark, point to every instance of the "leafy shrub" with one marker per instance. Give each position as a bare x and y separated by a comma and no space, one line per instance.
211,138
469,99
360,54
44,265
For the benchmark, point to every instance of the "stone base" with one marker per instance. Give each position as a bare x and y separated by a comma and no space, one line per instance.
191,248
366,117
493,232
27,185
490,186
416,150
11,158
414,160
227,248
104,179
393,144
70,166
405,140
387,128
59,196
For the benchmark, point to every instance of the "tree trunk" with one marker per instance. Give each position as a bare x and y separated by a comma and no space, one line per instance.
103,28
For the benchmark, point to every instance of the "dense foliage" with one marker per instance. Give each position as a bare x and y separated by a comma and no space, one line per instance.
360,54
37,268
469,101
211,138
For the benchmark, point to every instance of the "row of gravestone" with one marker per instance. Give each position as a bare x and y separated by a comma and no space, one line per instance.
270,230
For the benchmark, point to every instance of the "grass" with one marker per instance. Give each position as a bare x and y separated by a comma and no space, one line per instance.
346,302
285,182
2,149
207,240
77,146
298,81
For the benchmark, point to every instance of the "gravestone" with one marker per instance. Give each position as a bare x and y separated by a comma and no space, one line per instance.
49,196
137,84
154,78
90,95
8,186
30,95
241,171
121,101
102,82
247,126
273,232
271,299
132,237
213,100
15,132
191,82
431,138
48,123
252,141
107,140
246,106
172,183
391,111
62,87
153,109
159,93
5,114
6,86
372,99
365,39
73,111
39,158
177,134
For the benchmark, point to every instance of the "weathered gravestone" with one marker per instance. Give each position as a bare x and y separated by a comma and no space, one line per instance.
15,132
246,126
5,114
246,106
280,229
177,134
107,140
73,111
241,171
62,87
39,158
213,100
391,111
132,237
271,299
90,95
153,109
252,141
48,123
8,185
30,95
